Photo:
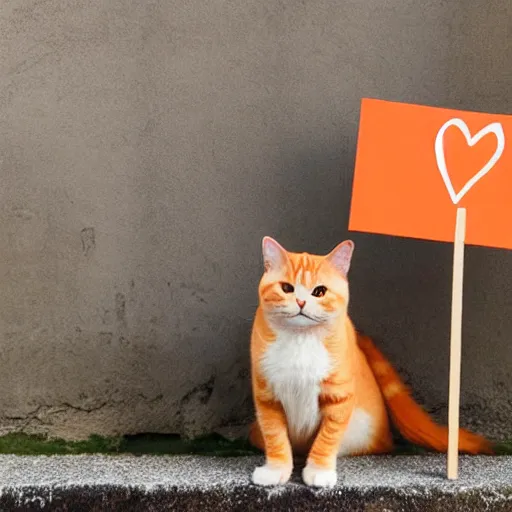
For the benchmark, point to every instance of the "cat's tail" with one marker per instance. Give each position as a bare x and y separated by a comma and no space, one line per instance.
413,422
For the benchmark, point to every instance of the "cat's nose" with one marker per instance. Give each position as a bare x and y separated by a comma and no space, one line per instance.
301,303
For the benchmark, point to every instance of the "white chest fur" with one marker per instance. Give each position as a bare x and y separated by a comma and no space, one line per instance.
294,366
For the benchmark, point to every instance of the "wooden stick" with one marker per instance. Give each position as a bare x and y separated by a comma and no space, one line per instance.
455,345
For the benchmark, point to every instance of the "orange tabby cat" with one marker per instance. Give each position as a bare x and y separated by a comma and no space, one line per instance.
319,387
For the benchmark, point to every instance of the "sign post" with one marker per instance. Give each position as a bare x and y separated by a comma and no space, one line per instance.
455,345
410,161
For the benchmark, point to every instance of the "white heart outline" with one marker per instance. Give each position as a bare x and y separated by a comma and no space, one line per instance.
495,128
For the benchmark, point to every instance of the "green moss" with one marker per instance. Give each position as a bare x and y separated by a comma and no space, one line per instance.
213,444
503,448
161,444
24,444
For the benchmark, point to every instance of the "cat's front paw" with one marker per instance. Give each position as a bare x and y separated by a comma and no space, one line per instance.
271,475
319,477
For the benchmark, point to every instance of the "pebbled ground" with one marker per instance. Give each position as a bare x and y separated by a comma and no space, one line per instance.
195,483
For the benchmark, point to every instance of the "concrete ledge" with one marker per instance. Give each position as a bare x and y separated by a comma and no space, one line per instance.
199,484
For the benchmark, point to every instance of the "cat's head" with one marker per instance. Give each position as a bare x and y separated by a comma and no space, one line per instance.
304,290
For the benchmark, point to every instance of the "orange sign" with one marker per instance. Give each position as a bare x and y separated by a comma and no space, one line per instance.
415,165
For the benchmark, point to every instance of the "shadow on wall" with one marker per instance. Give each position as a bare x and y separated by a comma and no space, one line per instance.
213,281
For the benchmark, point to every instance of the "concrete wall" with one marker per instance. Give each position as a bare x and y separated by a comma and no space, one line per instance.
145,149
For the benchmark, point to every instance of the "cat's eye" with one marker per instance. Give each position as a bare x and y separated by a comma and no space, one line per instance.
287,287
319,291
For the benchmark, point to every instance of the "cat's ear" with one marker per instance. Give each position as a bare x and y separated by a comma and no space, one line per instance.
274,255
341,256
